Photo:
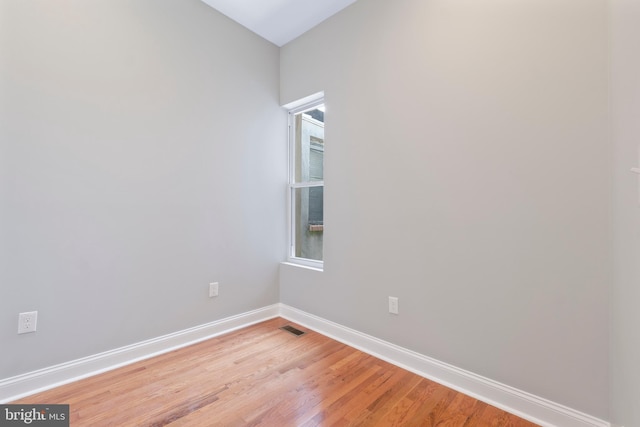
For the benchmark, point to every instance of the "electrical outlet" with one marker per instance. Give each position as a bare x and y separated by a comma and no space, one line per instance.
27,322
213,289
393,305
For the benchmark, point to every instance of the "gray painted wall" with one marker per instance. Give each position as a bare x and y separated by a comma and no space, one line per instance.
140,144
625,339
141,157
467,172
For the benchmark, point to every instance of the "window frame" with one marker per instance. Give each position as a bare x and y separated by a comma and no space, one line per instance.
309,103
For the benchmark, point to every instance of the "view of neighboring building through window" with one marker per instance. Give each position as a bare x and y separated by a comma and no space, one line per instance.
307,182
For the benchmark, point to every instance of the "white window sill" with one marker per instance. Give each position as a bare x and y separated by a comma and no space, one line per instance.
296,264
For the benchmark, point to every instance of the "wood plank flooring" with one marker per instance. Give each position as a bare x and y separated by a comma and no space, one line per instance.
264,376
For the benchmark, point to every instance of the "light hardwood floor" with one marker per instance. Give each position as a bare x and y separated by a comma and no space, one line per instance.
264,376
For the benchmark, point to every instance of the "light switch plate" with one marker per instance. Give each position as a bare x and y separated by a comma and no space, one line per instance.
213,289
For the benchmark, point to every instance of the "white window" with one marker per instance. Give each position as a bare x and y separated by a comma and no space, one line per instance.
306,183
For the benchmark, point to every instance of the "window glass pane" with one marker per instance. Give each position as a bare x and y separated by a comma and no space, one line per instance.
316,196
309,145
309,225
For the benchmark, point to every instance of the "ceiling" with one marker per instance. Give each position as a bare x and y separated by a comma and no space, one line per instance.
279,21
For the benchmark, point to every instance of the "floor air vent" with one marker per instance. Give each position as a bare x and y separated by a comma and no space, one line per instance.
293,330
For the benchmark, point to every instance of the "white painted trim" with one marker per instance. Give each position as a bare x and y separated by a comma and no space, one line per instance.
295,108
305,263
309,184
299,265
33,382
525,405
301,104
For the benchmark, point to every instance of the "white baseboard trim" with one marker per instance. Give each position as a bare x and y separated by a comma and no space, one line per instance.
525,405
518,402
33,382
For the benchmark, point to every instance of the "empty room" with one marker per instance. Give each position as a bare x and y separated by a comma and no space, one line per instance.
182,244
